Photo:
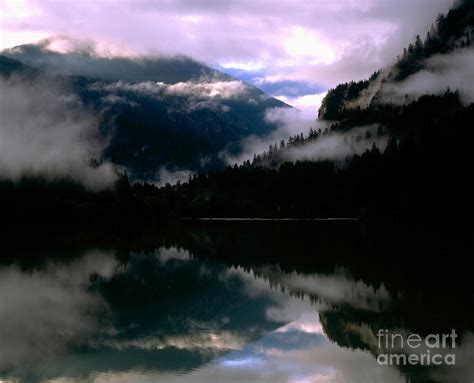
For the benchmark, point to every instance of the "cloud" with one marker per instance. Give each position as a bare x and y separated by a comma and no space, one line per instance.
205,340
114,99
51,312
321,42
289,88
336,146
339,288
454,71
172,177
166,254
307,104
289,121
46,132
206,88
331,146
298,350
204,93
219,89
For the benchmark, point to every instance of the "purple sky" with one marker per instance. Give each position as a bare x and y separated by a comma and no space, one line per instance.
305,44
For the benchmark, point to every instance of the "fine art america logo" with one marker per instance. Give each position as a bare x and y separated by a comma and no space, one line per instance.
413,349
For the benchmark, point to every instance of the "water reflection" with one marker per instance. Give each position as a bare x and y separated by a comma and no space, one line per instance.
167,316
44,312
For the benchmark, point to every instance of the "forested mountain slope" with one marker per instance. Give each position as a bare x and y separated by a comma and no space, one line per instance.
448,43
163,112
416,160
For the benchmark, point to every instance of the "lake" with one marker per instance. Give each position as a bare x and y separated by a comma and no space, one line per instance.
238,301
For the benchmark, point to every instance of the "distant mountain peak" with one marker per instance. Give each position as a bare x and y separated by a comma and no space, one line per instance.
67,56
155,112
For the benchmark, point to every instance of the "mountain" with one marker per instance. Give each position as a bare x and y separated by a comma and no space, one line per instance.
406,135
9,67
82,59
155,113
395,146
450,34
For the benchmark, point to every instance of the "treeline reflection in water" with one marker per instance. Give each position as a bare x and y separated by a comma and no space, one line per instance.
235,301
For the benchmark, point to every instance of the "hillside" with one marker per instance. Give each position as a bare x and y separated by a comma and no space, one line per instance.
402,159
450,34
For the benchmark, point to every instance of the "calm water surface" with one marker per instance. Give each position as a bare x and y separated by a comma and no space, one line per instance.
182,309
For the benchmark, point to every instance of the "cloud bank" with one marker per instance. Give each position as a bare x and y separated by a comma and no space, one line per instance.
335,146
289,122
321,41
454,71
204,93
46,132
330,146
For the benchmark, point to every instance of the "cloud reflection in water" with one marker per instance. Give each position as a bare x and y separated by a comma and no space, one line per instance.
165,316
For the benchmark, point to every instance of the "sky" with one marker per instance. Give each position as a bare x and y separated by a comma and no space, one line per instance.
293,50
